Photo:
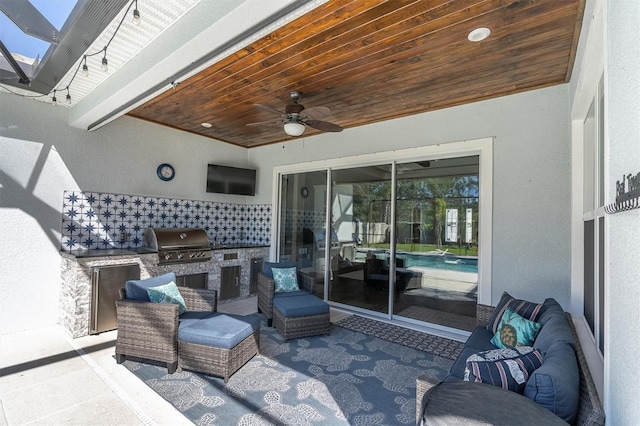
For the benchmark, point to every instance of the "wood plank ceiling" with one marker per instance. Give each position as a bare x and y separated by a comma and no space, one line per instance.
370,61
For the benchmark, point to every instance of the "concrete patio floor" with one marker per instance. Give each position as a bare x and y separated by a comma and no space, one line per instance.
47,378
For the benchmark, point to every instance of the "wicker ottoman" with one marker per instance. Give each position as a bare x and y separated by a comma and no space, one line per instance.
300,316
219,344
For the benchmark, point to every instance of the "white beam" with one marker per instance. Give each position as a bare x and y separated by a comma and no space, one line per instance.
184,49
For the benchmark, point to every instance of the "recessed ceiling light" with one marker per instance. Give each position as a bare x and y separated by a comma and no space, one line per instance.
479,34
207,125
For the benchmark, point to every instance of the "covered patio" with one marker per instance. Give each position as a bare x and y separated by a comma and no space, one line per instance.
559,154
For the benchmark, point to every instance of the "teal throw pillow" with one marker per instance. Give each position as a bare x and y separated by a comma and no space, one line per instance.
167,293
285,279
513,330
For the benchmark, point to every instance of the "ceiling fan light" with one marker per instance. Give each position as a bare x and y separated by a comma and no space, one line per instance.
293,128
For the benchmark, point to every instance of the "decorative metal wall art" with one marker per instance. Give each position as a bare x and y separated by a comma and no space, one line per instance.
627,194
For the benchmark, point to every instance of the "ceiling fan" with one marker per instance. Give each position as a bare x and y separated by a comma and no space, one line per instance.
296,117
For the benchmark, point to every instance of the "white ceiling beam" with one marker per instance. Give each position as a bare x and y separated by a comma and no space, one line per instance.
206,34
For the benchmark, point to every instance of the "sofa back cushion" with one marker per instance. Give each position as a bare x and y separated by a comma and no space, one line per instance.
556,383
550,308
555,329
137,289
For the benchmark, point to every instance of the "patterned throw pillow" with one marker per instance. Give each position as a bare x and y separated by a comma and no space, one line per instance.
506,368
514,331
527,310
167,293
268,266
285,279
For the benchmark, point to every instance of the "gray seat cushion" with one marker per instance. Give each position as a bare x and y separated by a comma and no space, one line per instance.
300,305
190,317
219,330
290,293
137,289
480,340
457,369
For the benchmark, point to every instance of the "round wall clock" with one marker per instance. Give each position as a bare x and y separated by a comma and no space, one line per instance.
304,192
166,172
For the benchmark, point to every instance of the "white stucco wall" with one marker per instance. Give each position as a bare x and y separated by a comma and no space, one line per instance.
41,156
531,182
622,85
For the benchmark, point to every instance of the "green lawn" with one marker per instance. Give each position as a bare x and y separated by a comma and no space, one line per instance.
462,251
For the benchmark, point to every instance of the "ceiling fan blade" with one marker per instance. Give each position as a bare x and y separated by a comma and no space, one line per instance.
317,112
270,109
325,126
264,123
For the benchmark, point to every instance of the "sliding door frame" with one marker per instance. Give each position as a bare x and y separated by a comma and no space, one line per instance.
483,148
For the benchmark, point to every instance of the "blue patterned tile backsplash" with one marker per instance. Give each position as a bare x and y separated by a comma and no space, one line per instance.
92,220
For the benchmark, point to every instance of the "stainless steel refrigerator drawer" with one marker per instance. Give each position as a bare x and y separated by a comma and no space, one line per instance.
105,283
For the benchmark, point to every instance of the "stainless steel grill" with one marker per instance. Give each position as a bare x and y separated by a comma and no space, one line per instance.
178,245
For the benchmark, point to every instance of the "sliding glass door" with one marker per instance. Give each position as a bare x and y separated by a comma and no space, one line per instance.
302,217
361,211
437,241
403,245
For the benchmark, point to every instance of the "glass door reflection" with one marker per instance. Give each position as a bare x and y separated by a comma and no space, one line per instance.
361,207
302,213
436,241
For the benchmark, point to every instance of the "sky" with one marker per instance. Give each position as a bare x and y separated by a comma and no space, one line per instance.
56,11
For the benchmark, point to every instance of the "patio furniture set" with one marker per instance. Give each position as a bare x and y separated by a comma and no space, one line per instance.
181,327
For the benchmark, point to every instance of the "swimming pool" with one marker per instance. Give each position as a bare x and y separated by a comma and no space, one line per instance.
439,261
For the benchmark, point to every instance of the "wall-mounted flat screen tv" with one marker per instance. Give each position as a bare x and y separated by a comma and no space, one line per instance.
231,180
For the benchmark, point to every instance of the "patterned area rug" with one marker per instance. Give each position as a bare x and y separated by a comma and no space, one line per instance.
345,378
435,345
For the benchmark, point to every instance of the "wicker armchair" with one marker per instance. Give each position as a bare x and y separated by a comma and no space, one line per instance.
266,289
150,330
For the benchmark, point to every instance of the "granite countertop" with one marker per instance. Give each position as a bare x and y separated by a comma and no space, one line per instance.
237,246
77,254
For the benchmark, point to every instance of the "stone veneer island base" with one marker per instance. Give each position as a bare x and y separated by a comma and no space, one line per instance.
76,274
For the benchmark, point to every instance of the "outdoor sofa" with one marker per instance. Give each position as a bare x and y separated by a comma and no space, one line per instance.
562,383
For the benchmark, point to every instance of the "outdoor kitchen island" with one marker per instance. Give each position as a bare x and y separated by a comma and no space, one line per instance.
229,270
